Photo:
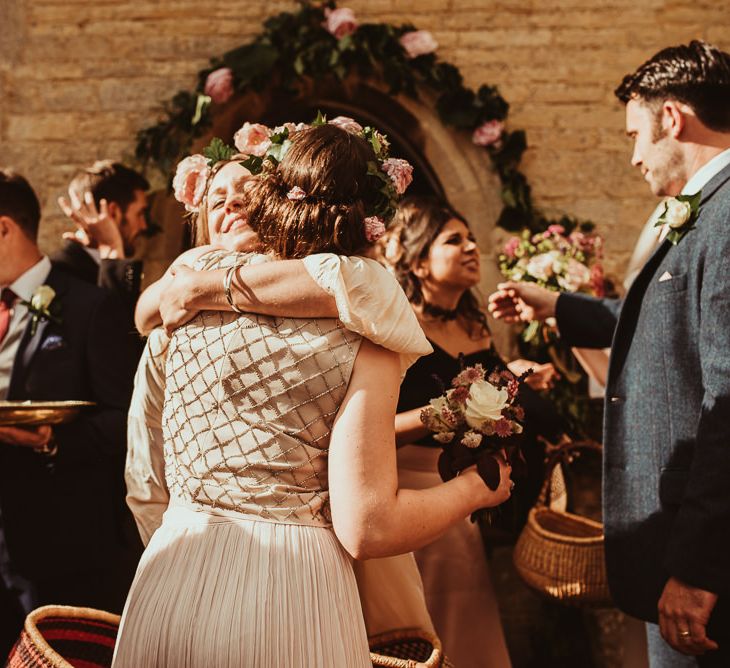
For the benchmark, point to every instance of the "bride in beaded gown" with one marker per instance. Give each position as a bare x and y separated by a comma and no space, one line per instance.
279,459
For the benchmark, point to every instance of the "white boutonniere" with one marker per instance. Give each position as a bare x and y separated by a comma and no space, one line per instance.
41,307
680,214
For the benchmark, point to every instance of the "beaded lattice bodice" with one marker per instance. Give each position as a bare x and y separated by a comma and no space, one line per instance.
249,407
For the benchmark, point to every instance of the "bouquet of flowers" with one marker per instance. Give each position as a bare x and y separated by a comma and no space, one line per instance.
475,420
556,260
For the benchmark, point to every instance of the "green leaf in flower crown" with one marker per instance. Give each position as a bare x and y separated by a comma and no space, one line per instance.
278,151
253,164
320,120
280,137
217,150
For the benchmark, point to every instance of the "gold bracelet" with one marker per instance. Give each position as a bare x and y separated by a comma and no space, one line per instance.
227,288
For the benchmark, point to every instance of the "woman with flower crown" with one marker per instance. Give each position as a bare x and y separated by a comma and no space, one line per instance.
279,454
391,591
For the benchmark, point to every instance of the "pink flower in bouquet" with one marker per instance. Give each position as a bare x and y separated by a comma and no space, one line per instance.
503,427
470,375
488,133
598,284
576,276
472,439
542,266
348,124
513,387
511,247
219,85
400,173
191,177
418,43
556,229
340,22
374,228
253,139
459,395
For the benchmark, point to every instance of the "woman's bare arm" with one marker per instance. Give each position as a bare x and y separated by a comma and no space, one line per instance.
371,516
409,428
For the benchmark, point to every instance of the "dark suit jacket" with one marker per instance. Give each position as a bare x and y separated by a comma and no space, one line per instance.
122,277
64,517
667,418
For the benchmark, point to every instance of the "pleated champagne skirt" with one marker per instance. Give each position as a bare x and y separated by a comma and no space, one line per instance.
216,591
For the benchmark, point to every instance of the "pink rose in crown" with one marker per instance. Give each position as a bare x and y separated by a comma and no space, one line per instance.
253,139
348,124
418,43
400,172
296,194
488,133
219,85
374,228
190,180
340,22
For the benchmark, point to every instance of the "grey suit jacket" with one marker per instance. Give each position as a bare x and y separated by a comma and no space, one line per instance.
667,413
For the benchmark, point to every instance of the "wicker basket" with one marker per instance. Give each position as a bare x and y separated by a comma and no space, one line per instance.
559,554
407,648
59,636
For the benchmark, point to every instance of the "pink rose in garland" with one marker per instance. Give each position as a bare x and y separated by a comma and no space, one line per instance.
418,43
219,85
347,124
253,139
340,22
488,133
374,228
190,179
400,172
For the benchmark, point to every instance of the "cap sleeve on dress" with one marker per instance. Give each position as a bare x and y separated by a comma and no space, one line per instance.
371,303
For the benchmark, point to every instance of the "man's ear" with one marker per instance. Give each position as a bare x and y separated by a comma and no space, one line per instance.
674,117
115,212
7,225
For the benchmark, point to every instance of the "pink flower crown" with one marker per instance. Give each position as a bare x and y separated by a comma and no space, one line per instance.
266,147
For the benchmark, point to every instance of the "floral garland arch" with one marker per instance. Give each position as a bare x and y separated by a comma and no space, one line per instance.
321,40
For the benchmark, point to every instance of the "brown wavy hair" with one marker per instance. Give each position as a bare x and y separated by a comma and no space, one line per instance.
331,166
417,223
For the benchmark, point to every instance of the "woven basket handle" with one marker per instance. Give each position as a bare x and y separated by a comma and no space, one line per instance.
565,452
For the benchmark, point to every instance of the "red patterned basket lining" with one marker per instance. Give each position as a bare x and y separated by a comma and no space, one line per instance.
84,643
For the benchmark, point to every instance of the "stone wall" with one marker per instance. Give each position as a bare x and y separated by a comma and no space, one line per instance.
78,78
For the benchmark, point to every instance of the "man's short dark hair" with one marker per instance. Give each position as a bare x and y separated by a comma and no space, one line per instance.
697,74
111,181
19,202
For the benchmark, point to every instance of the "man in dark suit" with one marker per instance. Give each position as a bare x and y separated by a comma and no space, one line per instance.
667,412
108,204
68,537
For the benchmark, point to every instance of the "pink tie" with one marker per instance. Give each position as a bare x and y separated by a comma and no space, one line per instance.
7,300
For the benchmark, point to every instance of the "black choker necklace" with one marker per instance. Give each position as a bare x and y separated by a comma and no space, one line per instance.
439,313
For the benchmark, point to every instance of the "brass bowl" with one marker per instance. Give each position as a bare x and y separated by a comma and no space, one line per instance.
30,413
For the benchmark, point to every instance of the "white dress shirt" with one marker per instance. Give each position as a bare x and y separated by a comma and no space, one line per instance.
703,175
24,286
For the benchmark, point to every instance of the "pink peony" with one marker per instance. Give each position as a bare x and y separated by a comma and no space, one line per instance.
511,247
340,22
418,43
191,177
296,194
374,228
400,172
219,85
488,133
253,139
347,124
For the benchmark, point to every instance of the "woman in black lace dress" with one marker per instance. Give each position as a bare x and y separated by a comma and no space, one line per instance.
434,255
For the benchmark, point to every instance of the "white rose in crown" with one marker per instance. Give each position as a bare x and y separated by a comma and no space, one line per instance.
678,213
42,298
485,402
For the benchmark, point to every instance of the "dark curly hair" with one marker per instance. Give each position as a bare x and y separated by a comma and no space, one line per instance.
331,166
417,223
19,202
697,74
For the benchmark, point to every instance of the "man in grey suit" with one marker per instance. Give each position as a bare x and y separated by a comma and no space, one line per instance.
667,412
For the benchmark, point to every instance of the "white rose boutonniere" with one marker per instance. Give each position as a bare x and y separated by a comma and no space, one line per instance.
41,307
680,214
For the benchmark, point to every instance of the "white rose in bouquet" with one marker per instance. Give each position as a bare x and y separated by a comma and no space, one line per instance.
485,402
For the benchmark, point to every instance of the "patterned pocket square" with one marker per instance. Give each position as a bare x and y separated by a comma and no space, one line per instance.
53,342
666,276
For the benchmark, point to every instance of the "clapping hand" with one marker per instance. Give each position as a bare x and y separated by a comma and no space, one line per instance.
522,302
96,228
684,612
